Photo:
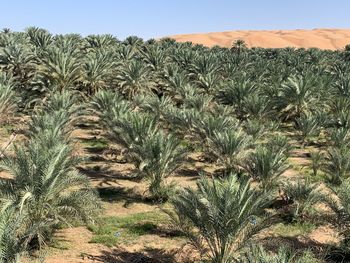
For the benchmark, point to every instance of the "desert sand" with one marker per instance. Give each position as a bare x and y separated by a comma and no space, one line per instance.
320,38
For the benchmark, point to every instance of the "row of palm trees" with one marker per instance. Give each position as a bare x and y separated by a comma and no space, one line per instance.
242,109
44,190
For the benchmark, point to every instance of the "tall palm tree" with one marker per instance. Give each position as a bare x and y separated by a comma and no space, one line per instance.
220,216
239,46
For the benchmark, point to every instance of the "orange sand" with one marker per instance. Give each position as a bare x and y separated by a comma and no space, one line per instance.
319,38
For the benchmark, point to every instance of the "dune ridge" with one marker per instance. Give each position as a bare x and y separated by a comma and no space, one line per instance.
319,38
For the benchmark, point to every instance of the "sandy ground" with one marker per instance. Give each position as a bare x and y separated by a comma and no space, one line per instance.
151,247
319,38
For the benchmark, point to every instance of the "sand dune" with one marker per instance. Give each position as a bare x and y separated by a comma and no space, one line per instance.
319,38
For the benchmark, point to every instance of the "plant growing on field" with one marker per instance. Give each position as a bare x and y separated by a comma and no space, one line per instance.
62,68
239,46
337,164
158,157
296,96
46,190
317,159
55,119
303,195
220,216
8,101
307,127
257,254
97,71
340,137
133,79
339,202
11,248
229,147
266,164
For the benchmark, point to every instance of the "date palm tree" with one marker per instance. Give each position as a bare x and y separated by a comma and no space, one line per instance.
303,196
266,164
239,46
220,216
157,158
337,164
55,118
236,92
257,254
20,62
296,96
100,41
97,70
340,136
62,69
339,202
46,190
229,147
40,38
307,126
11,248
133,79
8,99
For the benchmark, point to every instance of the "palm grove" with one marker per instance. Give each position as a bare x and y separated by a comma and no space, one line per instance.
244,110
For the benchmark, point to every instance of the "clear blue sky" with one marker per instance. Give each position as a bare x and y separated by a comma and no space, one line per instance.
156,18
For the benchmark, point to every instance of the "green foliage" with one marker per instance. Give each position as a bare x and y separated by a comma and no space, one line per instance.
238,106
303,196
221,216
158,157
307,127
61,68
257,254
266,164
338,164
46,190
11,248
111,231
339,202
317,160
133,78
293,229
229,147
297,96
8,98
